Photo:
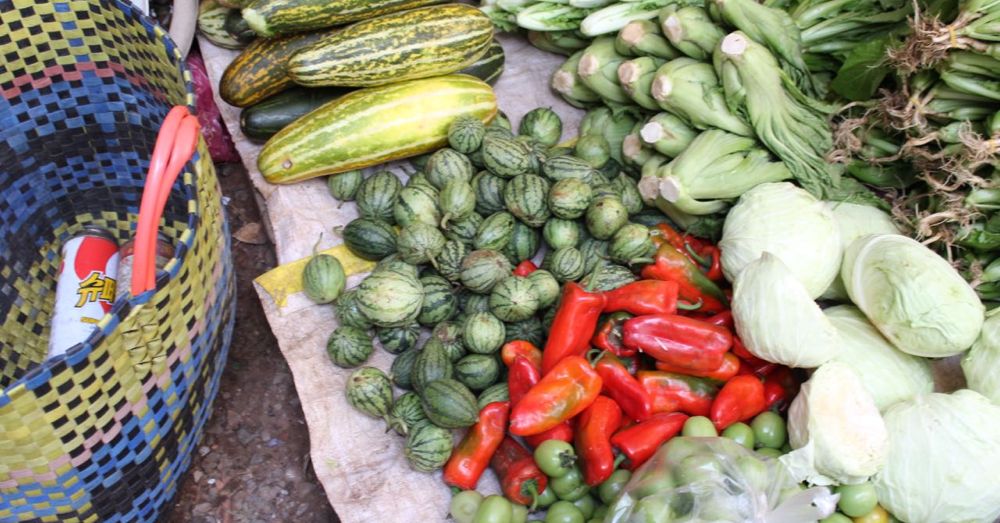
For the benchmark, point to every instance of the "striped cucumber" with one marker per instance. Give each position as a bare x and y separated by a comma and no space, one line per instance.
477,371
493,394
489,67
523,244
417,202
446,165
545,287
406,45
483,269
449,335
609,278
428,447
259,71
276,17
211,24
449,404
370,238
439,301
402,368
406,413
526,197
495,231
347,311
464,230
349,347
529,330
465,134
263,120
433,363
397,340
390,298
483,333
513,299
450,260
567,264
376,197
368,390
489,193
372,126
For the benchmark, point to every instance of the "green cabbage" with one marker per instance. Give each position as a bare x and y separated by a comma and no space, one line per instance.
788,222
943,459
836,430
889,374
981,365
777,320
855,221
913,296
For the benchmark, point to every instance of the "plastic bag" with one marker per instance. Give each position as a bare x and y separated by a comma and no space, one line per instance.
715,479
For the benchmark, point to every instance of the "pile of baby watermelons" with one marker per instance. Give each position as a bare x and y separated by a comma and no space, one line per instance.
453,246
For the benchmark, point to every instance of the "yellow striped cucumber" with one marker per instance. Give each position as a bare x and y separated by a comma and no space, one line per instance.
276,17
371,126
420,43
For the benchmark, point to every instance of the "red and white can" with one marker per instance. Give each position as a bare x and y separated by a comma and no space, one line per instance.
85,289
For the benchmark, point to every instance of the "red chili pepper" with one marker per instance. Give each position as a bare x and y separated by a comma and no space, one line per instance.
722,319
525,268
677,340
561,432
676,392
473,454
780,386
740,399
621,386
609,335
521,376
520,478
523,348
664,233
729,368
570,387
669,264
573,325
643,297
640,441
593,439
714,255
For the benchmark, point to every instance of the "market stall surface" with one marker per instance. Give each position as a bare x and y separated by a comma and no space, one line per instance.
253,463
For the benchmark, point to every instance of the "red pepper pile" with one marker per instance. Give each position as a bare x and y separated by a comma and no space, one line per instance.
620,373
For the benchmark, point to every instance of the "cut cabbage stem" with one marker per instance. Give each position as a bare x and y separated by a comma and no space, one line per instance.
734,44
633,150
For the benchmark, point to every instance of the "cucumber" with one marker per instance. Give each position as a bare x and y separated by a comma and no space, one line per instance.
482,333
559,233
439,301
525,196
431,364
264,119
523,244
631,244
628,193
406,413
323,278
349,347
605,216
453,351
495,232
449,335
396,47
482,269
472,303
450,260
449,404
377,196
610,278
348,313
477,371
427,447
211,24
258,73
390,298
464,230
236,26
538,153
446,165
513,299
372,126
545,287
594,251
542,124
397,340
569,199
492,394
274,17
417,202
593,149
568,167
488,67
489,193
402,368
567,264
530,330
420,243
370,238
395,263
465,134
505,157
344,186
369,391
457,201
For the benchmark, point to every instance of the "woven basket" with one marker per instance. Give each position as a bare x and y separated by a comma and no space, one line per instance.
105,432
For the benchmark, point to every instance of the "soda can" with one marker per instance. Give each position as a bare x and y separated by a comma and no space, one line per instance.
126,260
85,287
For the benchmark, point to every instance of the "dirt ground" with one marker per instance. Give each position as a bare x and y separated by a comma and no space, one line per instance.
253,462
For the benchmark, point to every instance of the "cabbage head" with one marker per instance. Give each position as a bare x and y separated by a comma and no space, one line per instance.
981,365
943,459
915,298
776,318
888,374
835,428
791,224
855,221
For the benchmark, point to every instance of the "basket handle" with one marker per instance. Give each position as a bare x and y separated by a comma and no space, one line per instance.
175,143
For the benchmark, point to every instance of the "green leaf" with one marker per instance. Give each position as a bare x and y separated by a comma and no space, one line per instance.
863,70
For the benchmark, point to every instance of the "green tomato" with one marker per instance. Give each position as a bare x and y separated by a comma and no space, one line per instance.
699,427
768,452
654,509
564,512
567,483
836,517
546,498
769,430
587,505
494,509
740,433
878,515
519,513
555,458
600,512
857,500
608,490
464,505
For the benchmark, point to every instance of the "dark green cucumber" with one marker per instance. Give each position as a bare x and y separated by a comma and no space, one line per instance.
263,120
449,404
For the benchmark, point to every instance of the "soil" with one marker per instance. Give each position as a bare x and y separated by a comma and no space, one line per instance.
252,464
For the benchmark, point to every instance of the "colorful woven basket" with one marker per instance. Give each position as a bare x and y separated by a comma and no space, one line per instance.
105,432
